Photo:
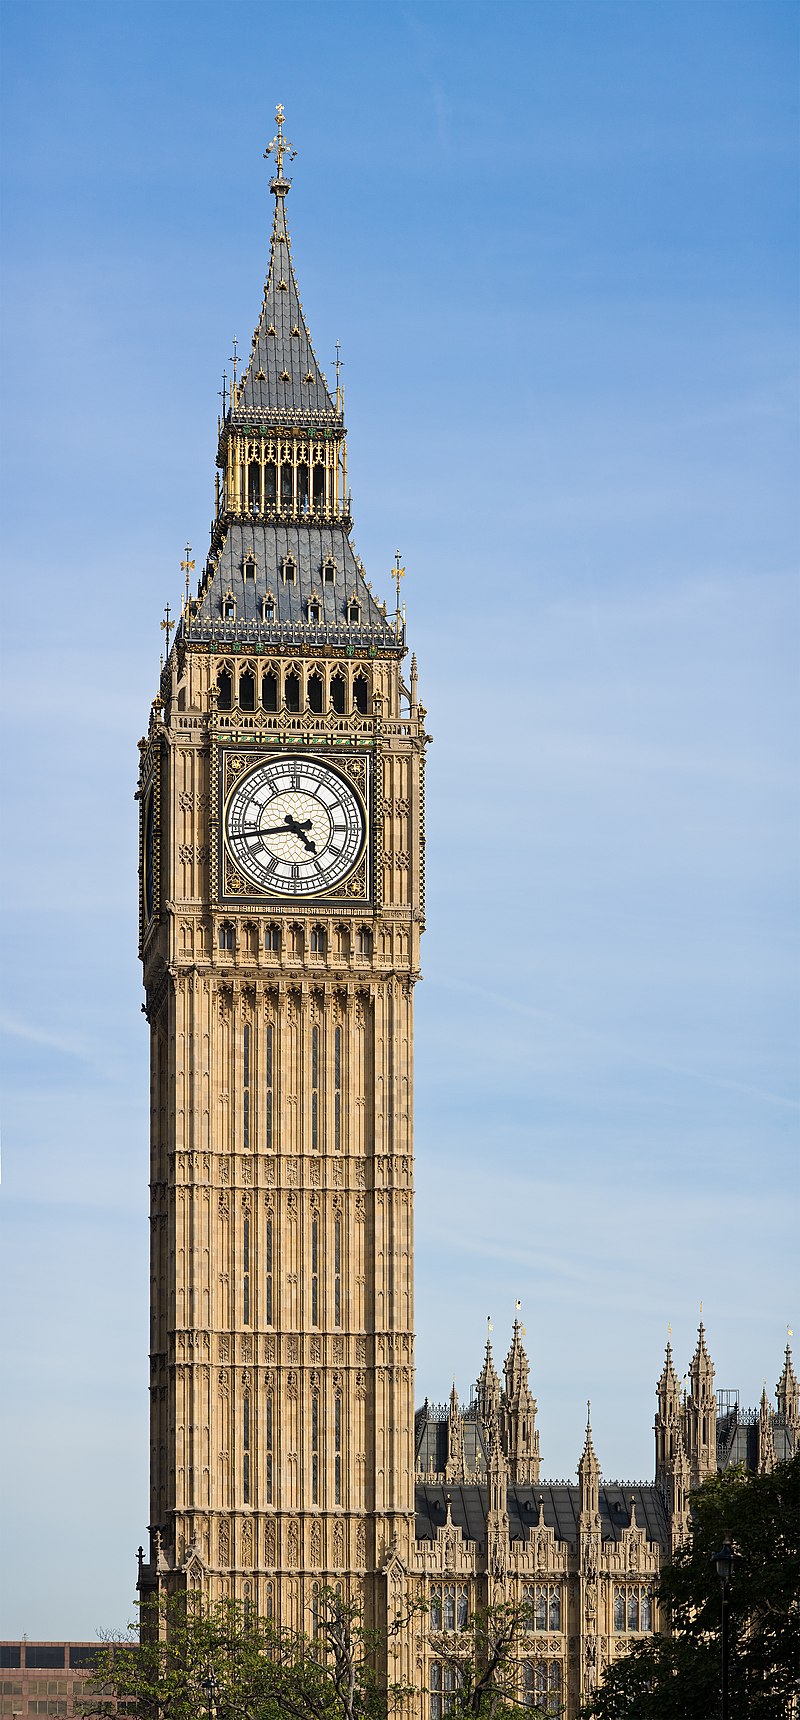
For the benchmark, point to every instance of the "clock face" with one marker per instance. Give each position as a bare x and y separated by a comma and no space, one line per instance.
294,826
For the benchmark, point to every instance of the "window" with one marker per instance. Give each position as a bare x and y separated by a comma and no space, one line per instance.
319,488
268,1453
329,571
337,1272
269,1273
249,567
246,1449
441,1685
253,496
354,611
646,1611
338,693
226,936
633,1607
247,691
315,1271
337,1449
272,939
229,607
269,1087
246,1272
313,609
291,691
449,1608
268,607
247,1611
318,941
270,485
314,1448
337,1090
360,692
224,690
289,567
314,1086
269,691
315,692
315,1612
364,943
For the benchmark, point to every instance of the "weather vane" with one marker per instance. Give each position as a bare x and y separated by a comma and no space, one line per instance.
280,145
234,358
167,624
187,567
399,573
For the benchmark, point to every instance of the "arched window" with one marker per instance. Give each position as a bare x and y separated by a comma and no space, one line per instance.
314,1086
318,940
329,571
254,487
338,693
449,1607
364,941
436,1606
246,1088
270,491
314,1448
247,1605
247,691
224,690
337,1449
229,607
646,1618
272,939
633,1609
246,1449
315,692
298,940
226,936
527,1685
619,1609
315,1271
337,1272
269,1087
289,565
540,1610
337,1092
246,1272
286,480
269,1605
353,611
302,487
291,691
313,609
269,691
268,1448
315,1611
269,1273
249,567
360,694
554,1609
268,607
319,488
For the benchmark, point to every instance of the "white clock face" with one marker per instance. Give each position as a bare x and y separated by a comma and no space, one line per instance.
294,826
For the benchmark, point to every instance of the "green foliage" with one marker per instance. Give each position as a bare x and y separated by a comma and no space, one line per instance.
197,1659
678,1677
484,1660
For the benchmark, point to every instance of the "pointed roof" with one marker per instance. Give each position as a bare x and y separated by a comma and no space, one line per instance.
283,381
668,1384
787,1391
488,1384
516,1367
701,1365
588,1464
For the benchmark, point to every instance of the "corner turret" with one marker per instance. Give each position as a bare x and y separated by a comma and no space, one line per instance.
518,1415
700,1414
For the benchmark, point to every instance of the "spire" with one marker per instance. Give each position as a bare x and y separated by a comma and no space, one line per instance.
282,381
667,1425
454,1468
787,1392
589,1471
766,1443
518,1413
488,1384
700,1414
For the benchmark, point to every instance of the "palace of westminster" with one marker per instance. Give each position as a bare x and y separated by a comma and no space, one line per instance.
281,792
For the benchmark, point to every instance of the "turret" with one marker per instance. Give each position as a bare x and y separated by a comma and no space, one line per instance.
700,1414
668,1419
766,1443
488,1386
497,1544
676,1489
518,1415
787,1395
589,1478
454,1469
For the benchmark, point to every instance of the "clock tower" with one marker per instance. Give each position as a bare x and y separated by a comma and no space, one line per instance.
282,901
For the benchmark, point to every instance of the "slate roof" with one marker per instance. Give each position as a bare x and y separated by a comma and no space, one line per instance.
283,381
431,1442
469,1505
308,546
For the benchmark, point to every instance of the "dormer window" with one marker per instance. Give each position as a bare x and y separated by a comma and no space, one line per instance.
354,610
229,607
272,330
289,570
268,607
329,571
313,609
296,332
249,567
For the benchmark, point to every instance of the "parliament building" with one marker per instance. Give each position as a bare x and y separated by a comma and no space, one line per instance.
282,904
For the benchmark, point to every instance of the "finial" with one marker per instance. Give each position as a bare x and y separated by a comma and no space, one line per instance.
399,573
187,567
167,625
234,358
224,393
279,147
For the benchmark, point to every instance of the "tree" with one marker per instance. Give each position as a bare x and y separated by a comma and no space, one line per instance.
198,1658
677,1677
483,1660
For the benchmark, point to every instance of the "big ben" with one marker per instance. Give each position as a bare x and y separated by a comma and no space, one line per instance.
281,794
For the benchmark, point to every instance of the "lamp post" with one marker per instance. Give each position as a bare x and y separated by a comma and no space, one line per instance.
212,1687
723,1560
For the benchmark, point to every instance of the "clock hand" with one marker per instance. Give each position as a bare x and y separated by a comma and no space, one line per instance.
289,827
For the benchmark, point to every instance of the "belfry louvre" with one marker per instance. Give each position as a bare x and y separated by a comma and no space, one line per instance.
282,903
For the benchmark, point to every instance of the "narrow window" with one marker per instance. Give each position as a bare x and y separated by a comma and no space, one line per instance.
269,1089
246,1272
555,1609
337,1272
253,493
246,1448
554,1688
289,570
247,1611
354,611
269,1610
269,1272
226,936
315,692
247,691
314,1449
319,488
270,491
249,568
313,609
268,607
291,689
338,693
286,491
272,939
229,607
224,690
315,1272
337,1090
449,1608
436,1607
246,1089
435,1687
364,941
646,1622
302,487
527,1602
462,1614
269,691
540,1616
268,1454
314,1084
360,695
633,1609
619,1609
329,571
337,1449
527,1685
318,941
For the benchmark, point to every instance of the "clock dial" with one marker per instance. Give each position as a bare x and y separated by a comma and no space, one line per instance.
294,826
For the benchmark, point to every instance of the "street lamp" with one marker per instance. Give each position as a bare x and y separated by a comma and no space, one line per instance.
723,1560
212,1688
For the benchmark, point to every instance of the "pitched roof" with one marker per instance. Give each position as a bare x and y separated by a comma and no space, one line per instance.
283,381
560,1504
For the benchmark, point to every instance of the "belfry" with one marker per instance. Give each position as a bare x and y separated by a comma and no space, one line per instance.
282,901
281,796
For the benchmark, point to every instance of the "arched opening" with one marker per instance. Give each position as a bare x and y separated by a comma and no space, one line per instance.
302,487
315,692
269,691
360,694
319,488
291,692
224,690
254,487
270,481
247,691
338,693
286,487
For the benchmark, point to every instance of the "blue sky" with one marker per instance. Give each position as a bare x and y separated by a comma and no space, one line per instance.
558,243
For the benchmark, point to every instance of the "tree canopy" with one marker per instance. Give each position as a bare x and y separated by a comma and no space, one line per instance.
678,1677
